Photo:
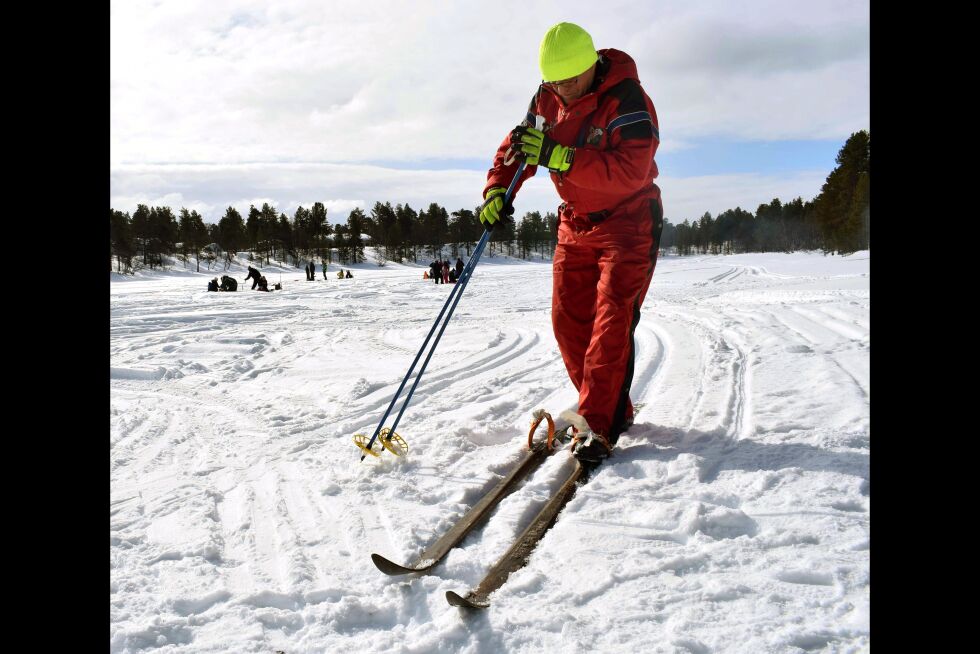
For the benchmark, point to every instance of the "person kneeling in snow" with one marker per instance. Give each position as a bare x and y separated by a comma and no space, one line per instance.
213,284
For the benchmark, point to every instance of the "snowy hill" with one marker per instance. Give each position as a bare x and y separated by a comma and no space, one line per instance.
734,516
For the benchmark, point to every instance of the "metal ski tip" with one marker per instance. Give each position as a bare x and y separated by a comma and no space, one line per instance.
456,599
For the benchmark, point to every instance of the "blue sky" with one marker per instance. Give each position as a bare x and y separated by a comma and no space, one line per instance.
710,157
239,102
717,157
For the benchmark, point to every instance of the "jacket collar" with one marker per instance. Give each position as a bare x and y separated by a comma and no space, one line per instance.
613,67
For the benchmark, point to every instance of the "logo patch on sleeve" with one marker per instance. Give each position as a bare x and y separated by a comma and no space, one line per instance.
595,135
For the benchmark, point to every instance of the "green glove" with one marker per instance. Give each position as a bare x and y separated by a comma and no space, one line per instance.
540,149
493,208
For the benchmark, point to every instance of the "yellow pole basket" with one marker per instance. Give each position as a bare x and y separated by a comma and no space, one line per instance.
361,441
393,442
389,440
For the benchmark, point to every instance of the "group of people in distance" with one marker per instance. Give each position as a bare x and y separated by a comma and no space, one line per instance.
442,273
439,271
259,280
311,272
227,284
262,284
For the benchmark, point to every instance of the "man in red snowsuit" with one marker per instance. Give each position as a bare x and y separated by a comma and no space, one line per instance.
598,140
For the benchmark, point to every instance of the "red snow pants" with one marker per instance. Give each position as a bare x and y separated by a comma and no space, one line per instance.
601,272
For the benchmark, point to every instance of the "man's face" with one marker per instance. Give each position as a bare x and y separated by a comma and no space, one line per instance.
573,88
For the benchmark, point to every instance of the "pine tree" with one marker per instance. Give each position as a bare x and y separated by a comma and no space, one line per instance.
355,224
381,229
268,228
341,242
530,234
550,238
163,234
192,235
232,235
121,243
407,220
843,207
668,237
253,228
302,235
284,235
183,225
436,222
318,228
463,230
141,228
504,232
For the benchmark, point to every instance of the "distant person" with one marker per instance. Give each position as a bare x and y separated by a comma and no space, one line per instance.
228,283
435,273
254,275
324,268
340,274
452,275
263,284
213,284
459,267
312,271
349,276
445,271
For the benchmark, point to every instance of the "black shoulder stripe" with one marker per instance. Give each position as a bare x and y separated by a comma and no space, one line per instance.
630,96
640,130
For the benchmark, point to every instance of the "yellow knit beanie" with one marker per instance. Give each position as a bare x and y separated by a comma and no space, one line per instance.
566,51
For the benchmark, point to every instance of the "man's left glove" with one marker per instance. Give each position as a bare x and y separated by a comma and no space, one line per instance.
538,148
493,209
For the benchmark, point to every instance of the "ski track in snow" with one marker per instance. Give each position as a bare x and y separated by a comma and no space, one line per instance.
734,516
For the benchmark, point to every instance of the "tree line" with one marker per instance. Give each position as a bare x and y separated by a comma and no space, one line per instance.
836,221
399,233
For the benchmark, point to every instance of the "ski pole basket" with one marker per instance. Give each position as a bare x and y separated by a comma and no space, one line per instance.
396,444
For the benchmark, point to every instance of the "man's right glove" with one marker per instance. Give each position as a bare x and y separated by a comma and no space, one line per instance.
539,149
493,208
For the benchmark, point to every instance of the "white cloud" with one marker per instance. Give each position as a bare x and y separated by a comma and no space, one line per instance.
235,81
362,81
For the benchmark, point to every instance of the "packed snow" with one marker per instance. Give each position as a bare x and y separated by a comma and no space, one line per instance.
733,517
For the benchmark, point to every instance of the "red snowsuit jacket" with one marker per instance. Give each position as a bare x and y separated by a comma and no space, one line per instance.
615,131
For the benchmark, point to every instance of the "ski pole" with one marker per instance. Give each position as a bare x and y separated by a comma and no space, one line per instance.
462,287
453,298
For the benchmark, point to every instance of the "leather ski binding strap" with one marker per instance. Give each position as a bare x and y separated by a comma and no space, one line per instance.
540,415
602,439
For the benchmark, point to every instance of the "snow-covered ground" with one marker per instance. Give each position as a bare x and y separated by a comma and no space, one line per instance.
734,516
